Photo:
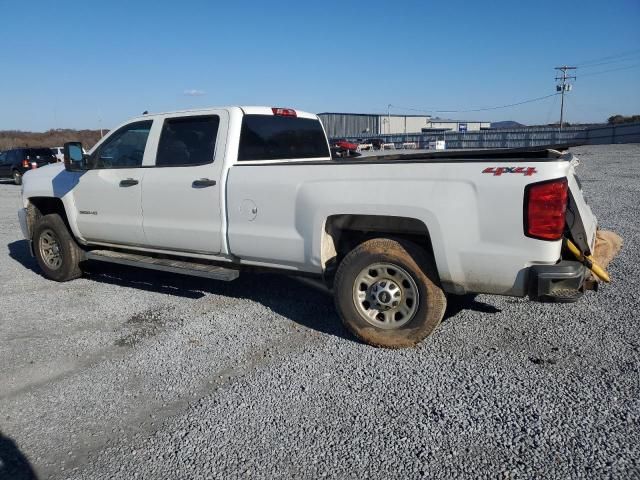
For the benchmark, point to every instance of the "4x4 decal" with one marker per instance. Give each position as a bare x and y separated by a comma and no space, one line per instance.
497,171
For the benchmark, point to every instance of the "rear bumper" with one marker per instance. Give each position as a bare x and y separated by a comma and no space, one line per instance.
562,282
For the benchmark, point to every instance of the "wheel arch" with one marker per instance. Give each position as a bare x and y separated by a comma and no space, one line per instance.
343,232
40,206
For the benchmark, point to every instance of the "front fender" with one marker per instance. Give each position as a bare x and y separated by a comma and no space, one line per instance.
53,181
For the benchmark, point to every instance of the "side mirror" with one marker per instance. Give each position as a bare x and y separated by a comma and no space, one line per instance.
74,159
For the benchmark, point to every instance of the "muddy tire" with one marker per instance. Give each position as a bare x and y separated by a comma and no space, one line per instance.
56,250
17,177
388,293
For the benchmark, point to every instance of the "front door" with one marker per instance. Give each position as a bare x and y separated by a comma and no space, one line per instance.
108,195
181,195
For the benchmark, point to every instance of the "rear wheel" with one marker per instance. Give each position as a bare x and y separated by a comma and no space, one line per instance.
56,251
17,177
388,294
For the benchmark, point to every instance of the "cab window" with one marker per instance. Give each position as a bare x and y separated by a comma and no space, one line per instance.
187,141
272,137
124,149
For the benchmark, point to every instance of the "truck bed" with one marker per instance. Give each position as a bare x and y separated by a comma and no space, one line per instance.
545,153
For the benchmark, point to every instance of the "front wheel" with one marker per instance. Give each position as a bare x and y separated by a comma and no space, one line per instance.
17,177
388,294
56,251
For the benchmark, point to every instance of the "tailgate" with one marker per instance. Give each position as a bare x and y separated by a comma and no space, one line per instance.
581,221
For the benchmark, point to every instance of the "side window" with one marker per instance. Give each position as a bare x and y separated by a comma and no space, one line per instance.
187,141
124,149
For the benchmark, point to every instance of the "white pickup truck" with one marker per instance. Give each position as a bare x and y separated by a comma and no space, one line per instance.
217,191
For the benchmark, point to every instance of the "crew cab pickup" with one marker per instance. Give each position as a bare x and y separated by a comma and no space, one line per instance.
219,191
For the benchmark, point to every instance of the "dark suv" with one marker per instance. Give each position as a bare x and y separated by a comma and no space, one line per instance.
15,162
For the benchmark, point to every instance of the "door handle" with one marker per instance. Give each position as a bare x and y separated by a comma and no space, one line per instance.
129,182
203,182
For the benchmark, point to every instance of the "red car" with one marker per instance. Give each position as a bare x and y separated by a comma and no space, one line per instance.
344,144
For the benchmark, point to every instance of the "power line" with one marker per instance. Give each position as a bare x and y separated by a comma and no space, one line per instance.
561,88
610,70
434,110
609,57
629,59
552,105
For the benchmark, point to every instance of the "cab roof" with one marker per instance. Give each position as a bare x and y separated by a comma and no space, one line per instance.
247,110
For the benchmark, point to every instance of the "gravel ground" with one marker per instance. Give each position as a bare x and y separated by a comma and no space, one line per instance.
130,373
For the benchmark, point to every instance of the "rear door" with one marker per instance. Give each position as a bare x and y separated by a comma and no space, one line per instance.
181,194
4,170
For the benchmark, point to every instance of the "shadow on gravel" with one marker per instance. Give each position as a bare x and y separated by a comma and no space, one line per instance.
19,251
457,303
284,295
13,463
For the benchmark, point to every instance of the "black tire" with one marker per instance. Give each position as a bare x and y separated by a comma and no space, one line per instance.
70,254
412,260
17,177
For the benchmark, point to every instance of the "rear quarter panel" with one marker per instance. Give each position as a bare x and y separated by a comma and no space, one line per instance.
277,213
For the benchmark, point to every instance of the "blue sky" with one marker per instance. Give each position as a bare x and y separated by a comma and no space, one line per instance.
79,64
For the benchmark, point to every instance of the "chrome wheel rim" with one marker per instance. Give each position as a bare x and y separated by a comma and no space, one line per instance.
50,249
385,295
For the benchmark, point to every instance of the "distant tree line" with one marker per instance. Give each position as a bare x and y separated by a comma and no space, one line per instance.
615,119
50,138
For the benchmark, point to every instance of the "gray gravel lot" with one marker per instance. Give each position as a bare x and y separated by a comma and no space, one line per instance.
130,373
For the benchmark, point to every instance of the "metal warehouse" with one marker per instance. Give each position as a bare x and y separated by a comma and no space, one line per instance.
367,124
456,125
371,124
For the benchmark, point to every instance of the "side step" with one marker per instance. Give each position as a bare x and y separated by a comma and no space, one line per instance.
164,264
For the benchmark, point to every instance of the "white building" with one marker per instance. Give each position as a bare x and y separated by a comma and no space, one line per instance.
456,125
339,125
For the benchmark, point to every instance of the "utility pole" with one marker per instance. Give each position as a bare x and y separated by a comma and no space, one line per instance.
389,118
563,86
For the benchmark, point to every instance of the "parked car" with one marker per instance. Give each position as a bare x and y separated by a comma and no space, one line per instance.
216,192
344,144
377,143
15,162
59,153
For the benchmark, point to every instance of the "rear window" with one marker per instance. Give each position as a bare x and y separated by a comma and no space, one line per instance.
38,152
266,137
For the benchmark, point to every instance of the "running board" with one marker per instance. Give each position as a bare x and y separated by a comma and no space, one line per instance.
164,264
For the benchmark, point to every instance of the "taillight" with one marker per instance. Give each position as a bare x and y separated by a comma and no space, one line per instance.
26,163
545,204
284,112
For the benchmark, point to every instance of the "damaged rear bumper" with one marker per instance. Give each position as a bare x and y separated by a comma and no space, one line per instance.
567,280
562,282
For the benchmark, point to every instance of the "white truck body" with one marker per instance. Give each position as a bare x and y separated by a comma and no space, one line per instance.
294,214
275,212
